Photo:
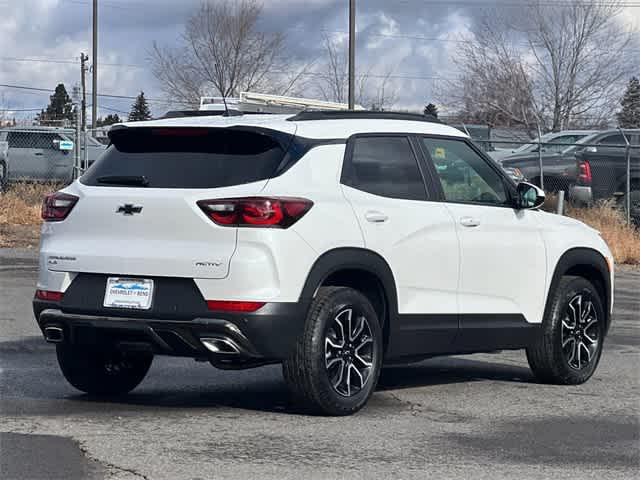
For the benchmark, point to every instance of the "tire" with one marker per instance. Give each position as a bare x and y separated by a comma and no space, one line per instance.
328,373
575,317
4,175
102,372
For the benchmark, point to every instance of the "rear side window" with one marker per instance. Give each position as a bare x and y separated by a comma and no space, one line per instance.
385,166
613,140
187,157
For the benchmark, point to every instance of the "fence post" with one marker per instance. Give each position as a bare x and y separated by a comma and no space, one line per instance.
76,146
540,158
560,206
627,193
85,159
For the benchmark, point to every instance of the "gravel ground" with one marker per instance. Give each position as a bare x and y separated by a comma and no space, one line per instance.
478,416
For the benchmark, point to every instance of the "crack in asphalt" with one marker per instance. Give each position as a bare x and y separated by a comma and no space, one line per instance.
108,465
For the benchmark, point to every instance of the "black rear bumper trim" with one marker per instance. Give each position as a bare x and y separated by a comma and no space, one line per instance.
261,337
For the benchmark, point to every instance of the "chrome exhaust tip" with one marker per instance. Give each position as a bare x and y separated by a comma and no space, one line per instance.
221,345
54,334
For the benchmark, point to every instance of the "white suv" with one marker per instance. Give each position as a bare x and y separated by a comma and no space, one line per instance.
332,243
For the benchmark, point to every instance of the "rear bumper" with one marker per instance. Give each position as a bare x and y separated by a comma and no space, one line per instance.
268,335
581,194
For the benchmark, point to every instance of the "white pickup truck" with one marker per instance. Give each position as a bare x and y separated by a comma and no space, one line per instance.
4,155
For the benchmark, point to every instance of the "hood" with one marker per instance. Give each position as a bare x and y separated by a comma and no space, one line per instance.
552,219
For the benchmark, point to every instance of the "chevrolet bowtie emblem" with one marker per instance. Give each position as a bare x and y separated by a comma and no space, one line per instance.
128,209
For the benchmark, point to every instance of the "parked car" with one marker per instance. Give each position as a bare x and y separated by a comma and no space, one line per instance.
602,170
558,160
329,242
559,142
4,161
560,169
44,153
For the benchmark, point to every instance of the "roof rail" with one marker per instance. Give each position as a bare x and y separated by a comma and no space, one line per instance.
361,114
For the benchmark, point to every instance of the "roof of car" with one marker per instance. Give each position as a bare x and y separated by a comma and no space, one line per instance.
571,132
37,129
329,128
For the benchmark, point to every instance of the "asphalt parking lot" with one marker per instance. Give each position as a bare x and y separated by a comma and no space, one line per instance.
480,416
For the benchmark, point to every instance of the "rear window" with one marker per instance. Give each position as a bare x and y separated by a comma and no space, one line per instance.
187,157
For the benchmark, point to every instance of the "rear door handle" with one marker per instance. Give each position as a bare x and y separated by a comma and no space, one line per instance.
469,222
38,154
376,217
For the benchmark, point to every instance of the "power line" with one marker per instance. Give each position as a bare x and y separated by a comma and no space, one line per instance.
523,3
103,95
70,62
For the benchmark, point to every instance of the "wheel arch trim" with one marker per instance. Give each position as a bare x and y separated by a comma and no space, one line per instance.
351,258
587,257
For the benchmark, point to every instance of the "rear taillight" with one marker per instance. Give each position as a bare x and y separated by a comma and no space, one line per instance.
231,306
57,206
49,296
277,212
584,172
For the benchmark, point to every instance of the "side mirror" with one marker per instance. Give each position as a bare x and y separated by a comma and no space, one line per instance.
590,149
529,197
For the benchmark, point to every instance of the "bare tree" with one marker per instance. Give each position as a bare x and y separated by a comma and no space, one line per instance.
223,51
374,92
494,85
556,64
579,57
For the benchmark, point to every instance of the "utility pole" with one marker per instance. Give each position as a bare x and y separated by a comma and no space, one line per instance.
94,90
83,83
352,54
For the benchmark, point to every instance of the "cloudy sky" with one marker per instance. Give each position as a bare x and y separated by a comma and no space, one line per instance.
41,40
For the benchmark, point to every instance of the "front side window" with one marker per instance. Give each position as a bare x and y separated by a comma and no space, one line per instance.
464,175
386,166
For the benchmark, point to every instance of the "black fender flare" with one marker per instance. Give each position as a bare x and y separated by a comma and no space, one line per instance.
586,257
351,258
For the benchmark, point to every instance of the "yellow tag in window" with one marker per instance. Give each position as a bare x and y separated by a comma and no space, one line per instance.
440,153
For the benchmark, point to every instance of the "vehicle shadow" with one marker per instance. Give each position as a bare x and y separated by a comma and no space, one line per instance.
447,370
266,391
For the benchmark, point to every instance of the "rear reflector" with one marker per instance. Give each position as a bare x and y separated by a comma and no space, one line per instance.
57,206
276,212
230,306
49,296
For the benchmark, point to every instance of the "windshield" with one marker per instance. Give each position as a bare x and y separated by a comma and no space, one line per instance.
553,138
587,139
547,137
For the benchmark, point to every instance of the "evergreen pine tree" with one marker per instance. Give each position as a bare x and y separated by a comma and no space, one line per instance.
110,119
140,109
432,110
629,116
60,108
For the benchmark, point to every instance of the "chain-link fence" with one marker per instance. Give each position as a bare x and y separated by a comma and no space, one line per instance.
582,167
585,166
48,154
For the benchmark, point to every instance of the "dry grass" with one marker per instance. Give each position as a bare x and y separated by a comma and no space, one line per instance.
623,240
20,205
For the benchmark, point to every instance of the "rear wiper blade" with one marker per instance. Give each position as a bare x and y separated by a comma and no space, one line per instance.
137,180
